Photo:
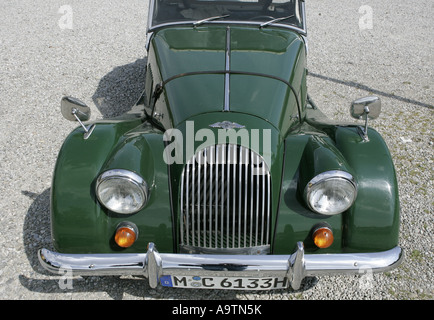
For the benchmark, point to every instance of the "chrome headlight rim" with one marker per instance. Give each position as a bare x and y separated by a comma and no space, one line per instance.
328,176
126,175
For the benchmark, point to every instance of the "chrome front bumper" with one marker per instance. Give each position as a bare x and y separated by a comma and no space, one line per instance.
153,265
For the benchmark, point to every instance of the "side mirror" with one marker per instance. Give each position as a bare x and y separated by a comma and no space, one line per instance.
366,108
75,110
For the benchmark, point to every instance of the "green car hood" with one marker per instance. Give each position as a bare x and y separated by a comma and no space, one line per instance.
273,52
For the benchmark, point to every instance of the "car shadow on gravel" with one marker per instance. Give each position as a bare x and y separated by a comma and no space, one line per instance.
37,235
119,90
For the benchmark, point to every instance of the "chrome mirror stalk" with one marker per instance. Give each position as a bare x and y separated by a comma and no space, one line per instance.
87,130
75,110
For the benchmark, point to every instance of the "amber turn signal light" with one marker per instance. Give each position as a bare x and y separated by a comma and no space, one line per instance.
323,237
125,236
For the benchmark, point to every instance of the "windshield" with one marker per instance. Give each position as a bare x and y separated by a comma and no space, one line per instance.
261,12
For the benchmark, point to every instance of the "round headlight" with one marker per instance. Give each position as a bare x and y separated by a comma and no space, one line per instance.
331,192
122,191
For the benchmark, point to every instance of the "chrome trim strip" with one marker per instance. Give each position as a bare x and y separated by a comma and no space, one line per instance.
187,214
217,148
227,68
205,180
251,198
228,192
269,203
153,265
211,169
245,195
198,200
222,191
263,202
240,179
234,189
193,199
257,202
182,206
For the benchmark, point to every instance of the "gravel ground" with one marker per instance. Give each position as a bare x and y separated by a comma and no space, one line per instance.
102,59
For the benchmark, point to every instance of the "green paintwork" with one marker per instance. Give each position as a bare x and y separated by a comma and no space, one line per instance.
302,145
79,223
372,224
279,53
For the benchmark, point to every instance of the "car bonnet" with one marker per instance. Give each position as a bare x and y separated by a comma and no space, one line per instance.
194,63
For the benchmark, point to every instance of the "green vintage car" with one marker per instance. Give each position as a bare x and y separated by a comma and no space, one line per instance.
224,174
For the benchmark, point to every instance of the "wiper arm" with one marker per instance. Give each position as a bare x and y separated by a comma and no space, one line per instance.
274,21
209,19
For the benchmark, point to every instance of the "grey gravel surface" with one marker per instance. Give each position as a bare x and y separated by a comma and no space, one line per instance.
102,60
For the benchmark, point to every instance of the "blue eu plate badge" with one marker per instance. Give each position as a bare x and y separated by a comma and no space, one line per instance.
166,281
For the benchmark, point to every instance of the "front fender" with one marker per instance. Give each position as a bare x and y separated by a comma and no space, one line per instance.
372,223
79,224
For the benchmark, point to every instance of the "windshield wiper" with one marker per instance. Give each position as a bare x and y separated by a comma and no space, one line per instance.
209,19
274,21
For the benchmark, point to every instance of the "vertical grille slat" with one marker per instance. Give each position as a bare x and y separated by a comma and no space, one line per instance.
211,170
257,200
222,195
187,207
263,204
245,196
234,161
225,201
216,208
240,176
193,200
205,183
182,201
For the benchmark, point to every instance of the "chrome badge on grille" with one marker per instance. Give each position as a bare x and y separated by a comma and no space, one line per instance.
226,125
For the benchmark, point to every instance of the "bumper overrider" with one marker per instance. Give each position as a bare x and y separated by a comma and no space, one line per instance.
157,267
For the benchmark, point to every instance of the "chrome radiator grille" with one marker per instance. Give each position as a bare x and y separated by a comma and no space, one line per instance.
225,201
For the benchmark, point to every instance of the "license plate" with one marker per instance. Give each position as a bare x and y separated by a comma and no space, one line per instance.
224,282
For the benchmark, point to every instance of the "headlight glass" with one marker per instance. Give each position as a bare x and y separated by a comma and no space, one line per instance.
331,192
122,191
